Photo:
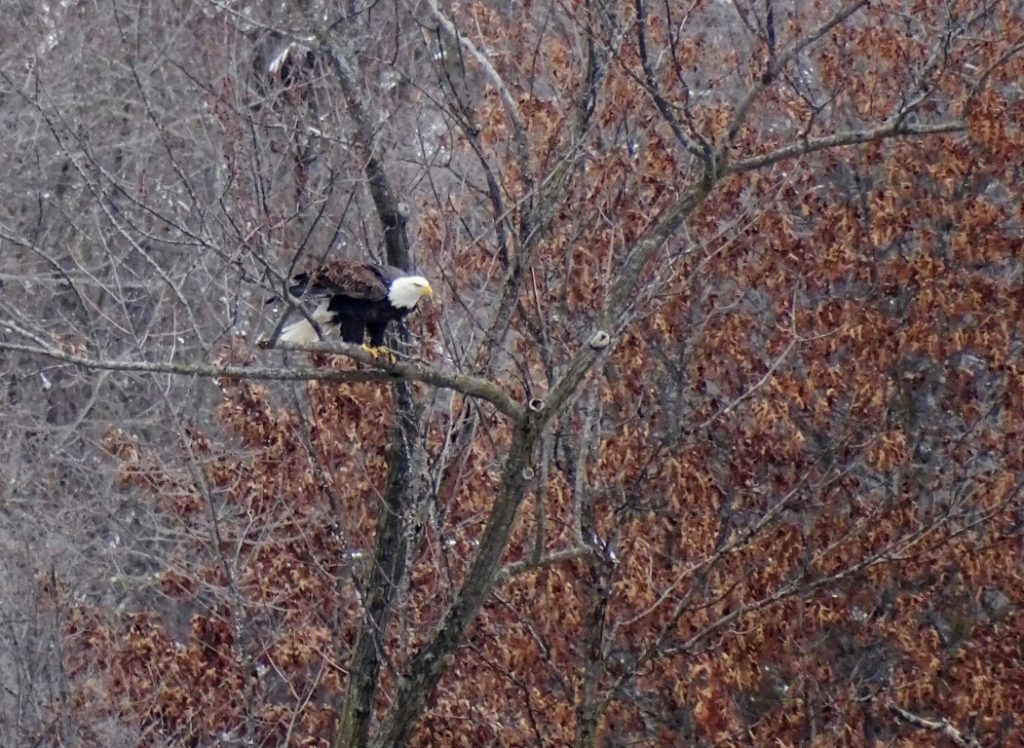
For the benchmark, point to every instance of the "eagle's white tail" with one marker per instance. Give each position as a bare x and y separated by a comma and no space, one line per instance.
302,332
298,332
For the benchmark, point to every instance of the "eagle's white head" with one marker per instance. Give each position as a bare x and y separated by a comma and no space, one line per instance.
406,291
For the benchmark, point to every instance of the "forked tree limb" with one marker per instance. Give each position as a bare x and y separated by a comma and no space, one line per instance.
515,117
427,668
777,63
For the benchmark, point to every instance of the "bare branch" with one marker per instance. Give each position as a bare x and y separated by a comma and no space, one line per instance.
1013,51
894,129
777,63
699,149
434,659
555,557
393,214
511,107
385,371
941,726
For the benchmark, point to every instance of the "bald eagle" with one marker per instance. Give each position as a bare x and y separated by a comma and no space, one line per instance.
355,297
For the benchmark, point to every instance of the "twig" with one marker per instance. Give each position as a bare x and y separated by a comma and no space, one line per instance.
776,64
511,107
938,725
554,557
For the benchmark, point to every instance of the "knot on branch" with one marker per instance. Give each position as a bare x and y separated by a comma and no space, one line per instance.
599,340
528,473
536,404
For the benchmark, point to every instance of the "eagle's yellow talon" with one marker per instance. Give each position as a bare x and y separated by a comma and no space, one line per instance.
380,352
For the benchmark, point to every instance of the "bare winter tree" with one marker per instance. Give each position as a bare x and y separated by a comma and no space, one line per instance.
709,438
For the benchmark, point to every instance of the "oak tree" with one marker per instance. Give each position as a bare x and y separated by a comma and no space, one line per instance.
712,437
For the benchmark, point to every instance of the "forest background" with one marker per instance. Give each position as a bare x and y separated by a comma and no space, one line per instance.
711,436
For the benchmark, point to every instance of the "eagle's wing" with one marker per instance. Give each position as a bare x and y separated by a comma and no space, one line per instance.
356,280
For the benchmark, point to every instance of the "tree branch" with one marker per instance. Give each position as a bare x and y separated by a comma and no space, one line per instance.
391,564
511,107
434,659
701,150
776,64
384,371
554,557
393,214
624,288
895,129
937,725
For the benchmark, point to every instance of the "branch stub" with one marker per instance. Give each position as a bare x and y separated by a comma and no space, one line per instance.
599,340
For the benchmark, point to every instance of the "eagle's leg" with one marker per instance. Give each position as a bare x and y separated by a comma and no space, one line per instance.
376,348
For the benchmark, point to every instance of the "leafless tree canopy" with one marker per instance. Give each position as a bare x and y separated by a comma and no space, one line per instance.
711,436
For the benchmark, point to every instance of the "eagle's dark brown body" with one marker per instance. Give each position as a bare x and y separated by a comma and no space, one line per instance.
354,298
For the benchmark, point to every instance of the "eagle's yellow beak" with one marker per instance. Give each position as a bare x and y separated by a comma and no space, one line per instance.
428,291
